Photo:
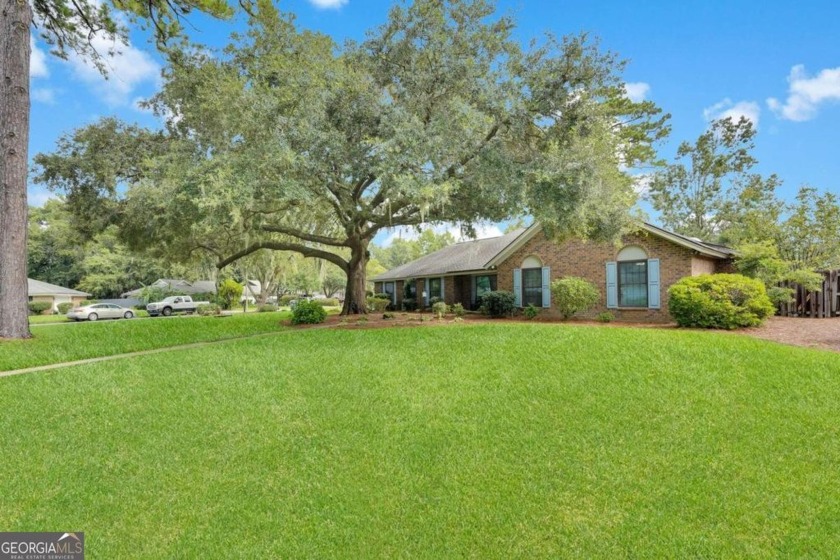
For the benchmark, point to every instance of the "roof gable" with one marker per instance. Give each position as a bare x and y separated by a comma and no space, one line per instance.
460,257
39,288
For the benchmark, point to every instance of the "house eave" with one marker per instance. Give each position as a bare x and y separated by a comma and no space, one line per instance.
683,242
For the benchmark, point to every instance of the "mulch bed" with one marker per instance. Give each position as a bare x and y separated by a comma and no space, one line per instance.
810,333
800,331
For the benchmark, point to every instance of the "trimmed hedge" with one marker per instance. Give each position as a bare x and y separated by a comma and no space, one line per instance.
266,308
572,294
308,312
208,309
376,305
63,308
719,301
498,303
38,307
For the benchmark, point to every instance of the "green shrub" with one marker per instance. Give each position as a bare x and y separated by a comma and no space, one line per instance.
308,312
572,295
531,311
229,293
63,308
458,309
330,302
439,309
38,307
286,300
382,295
605,317
151,294
266,308
409,304
376,305
208,309
498,303
719,301
779,295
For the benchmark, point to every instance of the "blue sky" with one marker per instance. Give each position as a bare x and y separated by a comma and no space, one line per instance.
776,62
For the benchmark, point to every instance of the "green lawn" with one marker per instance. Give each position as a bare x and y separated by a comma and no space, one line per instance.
64,343
483,441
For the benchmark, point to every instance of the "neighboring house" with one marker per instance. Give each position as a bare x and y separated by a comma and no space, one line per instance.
42,291
176,285
633,276
251,291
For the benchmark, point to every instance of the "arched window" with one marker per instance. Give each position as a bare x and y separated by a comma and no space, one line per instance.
532,281
632,277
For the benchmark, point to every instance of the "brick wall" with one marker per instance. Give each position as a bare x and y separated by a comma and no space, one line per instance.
588,259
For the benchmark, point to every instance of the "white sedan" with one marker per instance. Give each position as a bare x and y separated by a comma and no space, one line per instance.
96,311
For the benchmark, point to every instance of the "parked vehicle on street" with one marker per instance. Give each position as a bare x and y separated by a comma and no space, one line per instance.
96,311
174,304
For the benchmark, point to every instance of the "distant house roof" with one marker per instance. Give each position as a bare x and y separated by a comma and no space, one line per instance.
38,288
460,257
483,254
177,284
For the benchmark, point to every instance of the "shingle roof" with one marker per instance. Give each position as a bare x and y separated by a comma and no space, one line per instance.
179,284
480,254
38,288
460,257
691,240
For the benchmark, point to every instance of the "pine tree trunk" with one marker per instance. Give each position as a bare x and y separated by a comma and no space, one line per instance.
15,21
354,293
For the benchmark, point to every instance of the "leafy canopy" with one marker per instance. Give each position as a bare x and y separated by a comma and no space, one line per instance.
287,141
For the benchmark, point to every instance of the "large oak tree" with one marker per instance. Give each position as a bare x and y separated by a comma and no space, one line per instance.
287,141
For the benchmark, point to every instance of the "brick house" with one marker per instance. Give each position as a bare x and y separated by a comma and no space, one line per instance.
633,275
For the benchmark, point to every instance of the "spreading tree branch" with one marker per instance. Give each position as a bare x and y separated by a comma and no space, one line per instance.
305,236
281,246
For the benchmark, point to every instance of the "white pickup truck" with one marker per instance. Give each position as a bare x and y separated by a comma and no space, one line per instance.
174,304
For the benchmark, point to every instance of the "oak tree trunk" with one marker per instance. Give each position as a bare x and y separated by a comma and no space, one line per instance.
15,22
354,293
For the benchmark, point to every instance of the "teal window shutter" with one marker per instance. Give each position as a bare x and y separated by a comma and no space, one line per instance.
517,287
612,285
442,293
546,286
653,283
426,292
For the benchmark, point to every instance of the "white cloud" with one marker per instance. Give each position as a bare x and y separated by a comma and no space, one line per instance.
641,183
37,61
44,95
726,109
127,68
328,4
38,197
806,93
482,231
637,91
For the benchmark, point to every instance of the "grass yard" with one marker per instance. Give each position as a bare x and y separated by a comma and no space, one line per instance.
483,441
64,343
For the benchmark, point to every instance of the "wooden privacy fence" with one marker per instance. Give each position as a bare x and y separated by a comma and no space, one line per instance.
825,303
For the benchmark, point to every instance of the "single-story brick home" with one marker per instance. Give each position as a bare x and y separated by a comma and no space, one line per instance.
633,276
42,291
